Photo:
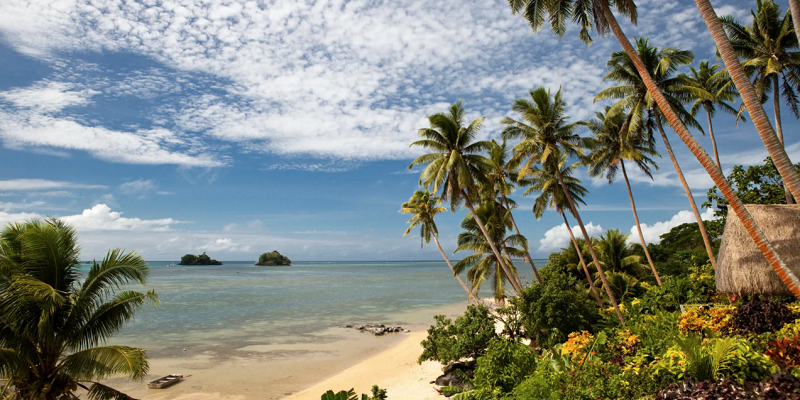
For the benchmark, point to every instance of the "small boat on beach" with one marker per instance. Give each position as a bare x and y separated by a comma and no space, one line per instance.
165,381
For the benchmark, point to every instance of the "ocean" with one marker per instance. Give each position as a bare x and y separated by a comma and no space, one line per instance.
221,308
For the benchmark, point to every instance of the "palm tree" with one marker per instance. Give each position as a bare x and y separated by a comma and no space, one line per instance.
766,49
455,164
634,95
711,88
482,265
425,207
611,146
616,255
546,137
597,14
752,102
544,180
54,322
794,6
501,175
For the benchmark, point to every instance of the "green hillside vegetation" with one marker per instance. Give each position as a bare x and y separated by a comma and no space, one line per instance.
272,259
202,259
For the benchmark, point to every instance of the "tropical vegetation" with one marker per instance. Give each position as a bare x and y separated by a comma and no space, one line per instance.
56,319
202,259
273,258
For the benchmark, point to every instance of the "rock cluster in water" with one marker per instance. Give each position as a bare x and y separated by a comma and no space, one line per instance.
378,329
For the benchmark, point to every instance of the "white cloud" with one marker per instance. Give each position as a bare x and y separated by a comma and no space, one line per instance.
43,184
253,226
558,237
139,187
22,130
48,97
224,244
101,218
652,233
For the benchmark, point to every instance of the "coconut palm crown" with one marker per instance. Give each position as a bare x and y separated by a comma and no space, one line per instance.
425,207
54,320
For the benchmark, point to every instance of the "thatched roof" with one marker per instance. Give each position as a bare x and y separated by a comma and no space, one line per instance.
742,268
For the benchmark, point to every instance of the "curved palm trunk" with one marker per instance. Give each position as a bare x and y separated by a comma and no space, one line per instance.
695,211
714,172
713,141
773,145
527,253
510,265
638,226
491,243
591,248
794,5
776,105
583,263
470,298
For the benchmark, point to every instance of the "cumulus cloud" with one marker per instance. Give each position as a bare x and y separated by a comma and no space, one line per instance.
652,233
558,237
101,218
224,244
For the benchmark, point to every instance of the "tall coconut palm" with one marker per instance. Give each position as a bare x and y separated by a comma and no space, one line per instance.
55,321
425,206
710,87
456,164
597,14
794,6
546,136
768,49
634,96
611,146
752,102
482,265
502,174
544,180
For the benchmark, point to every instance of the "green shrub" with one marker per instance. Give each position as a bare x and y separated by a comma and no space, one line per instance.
700,360
467,337
556,308
504,366
546,382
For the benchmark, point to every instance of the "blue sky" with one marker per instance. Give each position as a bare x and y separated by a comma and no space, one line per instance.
238,127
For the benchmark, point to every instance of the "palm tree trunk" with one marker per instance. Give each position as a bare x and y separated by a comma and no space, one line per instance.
583,263
591,248
713,141
470,298
795,7
497,254
695,211
771,141
527,253
773,145
776,105
510,265
638,226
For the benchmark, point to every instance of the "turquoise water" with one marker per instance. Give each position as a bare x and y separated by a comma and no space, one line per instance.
236,303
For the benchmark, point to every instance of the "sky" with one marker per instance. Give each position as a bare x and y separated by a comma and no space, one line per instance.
240,127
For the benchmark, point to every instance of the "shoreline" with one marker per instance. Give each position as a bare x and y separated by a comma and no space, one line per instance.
341,358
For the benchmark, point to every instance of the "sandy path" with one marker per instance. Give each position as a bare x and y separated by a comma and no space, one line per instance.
395,369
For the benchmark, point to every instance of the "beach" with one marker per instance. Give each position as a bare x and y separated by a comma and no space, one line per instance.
336,359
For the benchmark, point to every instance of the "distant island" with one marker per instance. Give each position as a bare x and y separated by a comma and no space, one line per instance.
273,259
203,259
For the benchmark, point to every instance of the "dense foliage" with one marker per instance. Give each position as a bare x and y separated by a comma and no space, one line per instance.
273,258
466,338
202,259
760,316
550,311
377,394
55,321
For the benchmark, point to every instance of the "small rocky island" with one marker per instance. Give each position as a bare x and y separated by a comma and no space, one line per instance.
203,259
273,259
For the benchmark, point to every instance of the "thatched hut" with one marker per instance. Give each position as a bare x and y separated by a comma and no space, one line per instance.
741,268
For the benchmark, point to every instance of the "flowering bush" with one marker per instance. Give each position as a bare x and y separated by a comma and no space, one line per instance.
577,343
700,320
